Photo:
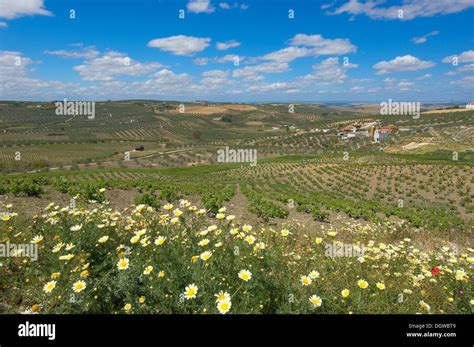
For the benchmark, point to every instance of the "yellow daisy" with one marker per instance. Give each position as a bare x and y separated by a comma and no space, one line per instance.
245,275
79,286
190,291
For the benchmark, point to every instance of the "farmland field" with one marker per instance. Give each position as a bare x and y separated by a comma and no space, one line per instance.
371,227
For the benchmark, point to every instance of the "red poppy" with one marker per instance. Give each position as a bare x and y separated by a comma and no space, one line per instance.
435,271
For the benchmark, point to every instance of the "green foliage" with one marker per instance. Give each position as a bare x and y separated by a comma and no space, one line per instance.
148,199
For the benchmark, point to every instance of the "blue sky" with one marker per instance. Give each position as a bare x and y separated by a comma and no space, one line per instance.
344,50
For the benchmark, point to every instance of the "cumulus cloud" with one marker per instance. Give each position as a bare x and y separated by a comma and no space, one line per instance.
411,8
222,46
200,6
467,82
329,71
11,9
404,63
288,54
424,38
255,72
3,24
303,45
201,61
84,53
267,87
13,64
464,57
181,44
113,64
15,82
405,85
215,79
324,46
228,58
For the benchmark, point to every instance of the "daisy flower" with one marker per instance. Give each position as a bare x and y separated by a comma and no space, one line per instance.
160,240
76,227
103,239
148,270
190,291
250,239
79,286
37,239
245,275
306,280
205,255
122,264
315,300
222,296
247,228
48,287
204,242
168,207
224,306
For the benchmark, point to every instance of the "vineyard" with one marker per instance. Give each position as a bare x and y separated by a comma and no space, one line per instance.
113,220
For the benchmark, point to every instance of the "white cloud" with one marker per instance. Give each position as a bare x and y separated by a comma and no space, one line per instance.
215,79
11,9
467,67
411,8
464,57
113,64
201,61
288,54
398,85
467,81
262,88
200,6
389,81
425,76
227,6
3,24
84,53
357,89
325,6
13,64
324,46
303,45
16,84
181,44
328,71
404,63
254,72
215,73
222,46
424,38
228,58
405,85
